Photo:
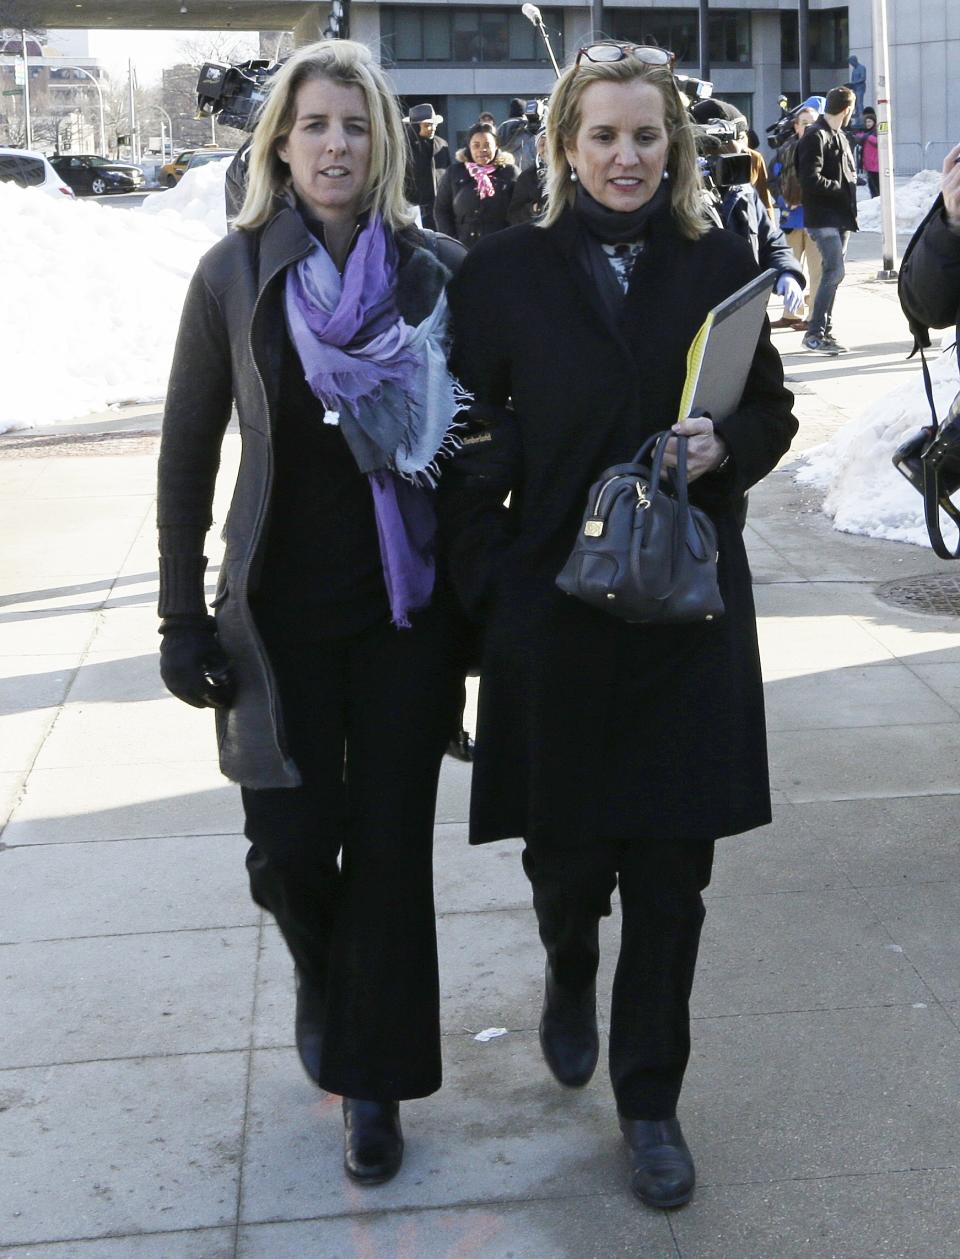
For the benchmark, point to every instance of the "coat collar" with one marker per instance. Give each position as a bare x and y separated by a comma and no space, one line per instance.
565,234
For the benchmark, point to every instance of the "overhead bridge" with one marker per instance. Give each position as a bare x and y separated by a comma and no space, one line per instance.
307,20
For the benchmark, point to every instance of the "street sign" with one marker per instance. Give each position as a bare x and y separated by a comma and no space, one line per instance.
12,91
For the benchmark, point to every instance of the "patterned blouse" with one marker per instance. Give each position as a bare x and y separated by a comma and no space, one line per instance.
622,259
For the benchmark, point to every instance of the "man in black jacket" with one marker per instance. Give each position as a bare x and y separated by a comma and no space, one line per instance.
428,157
930,271
828,180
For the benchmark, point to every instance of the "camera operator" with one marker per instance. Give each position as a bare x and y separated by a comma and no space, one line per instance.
521,140
930,270
790,199
743,211
529,194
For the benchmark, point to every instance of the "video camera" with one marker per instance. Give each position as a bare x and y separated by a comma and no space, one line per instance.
721,170
234,93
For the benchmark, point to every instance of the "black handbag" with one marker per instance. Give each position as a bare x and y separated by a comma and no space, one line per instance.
930,460
643,554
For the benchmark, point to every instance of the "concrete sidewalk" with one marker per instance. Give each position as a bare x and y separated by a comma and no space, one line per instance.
151,1104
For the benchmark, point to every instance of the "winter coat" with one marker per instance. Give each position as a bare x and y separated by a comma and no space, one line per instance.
230,351
529,196
871,152
589,727
459,209
828,177
742,211
929,284
426,161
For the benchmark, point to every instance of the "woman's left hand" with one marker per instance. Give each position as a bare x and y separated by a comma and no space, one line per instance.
705,450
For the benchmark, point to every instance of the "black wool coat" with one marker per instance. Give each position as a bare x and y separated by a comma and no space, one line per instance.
828,178
587,726
462,213
929,284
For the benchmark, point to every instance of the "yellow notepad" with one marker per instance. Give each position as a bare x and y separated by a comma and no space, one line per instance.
721,354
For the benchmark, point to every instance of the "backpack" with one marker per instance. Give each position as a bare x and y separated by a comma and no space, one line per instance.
790,188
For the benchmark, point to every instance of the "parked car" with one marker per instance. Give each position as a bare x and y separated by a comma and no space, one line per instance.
93,176
172,172
31,170
203,156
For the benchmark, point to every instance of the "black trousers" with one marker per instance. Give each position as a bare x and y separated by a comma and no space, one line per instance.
661,916
344,862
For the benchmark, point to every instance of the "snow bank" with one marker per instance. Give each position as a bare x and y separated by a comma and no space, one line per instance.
92,296
198,197
865,493
913,199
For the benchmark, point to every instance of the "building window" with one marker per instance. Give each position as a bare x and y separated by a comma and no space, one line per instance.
418,36
829,38
679,30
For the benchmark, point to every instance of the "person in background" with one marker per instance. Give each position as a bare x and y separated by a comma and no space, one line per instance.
929,284
868,150
488,119
429,157
742,211
791,207
619,752
828,180
521,143
332,659
474,196
513,120
528,201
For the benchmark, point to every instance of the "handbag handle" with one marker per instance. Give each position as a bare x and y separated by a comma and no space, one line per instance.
933,502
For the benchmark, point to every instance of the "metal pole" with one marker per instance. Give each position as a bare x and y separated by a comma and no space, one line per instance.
103,129
133,111
888,204
28,124
596,18
704,34
803,47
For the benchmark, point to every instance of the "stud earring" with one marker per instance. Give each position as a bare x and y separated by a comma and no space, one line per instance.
573,175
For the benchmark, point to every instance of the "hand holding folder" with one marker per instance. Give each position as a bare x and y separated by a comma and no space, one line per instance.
721,354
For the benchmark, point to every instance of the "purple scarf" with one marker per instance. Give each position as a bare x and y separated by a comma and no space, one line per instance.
385,383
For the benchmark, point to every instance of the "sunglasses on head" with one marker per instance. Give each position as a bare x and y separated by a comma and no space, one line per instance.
608,50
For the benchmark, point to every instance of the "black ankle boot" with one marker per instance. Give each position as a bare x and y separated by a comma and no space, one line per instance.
663,1174
568,1031
372,1140
308,1024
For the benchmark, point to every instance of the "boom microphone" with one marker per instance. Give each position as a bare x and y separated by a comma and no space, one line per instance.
532,14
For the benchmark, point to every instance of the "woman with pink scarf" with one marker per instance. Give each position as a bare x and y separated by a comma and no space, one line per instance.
474,196
331,658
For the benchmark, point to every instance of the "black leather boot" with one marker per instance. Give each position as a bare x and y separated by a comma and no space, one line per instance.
663,1173
308,1025
460,747
372,1140
568,1031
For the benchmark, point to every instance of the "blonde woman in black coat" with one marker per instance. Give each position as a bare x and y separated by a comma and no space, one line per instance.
474,196
619,752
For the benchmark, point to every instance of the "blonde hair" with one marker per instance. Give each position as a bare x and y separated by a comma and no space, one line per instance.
563,123
340,61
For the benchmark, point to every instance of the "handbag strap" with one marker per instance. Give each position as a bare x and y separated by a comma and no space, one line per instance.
934,499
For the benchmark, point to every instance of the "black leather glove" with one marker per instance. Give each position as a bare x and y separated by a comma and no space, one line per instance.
193,665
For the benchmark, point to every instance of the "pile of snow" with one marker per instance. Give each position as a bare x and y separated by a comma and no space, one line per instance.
865,493
913,200
92,297
198,197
